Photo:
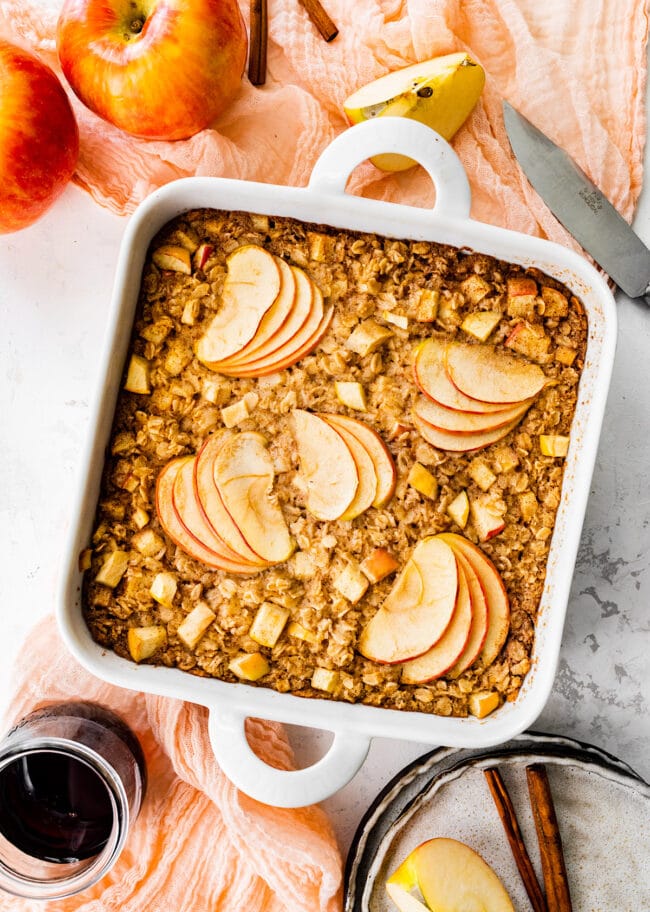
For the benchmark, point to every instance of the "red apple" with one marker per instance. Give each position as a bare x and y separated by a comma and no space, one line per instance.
39,139
159,69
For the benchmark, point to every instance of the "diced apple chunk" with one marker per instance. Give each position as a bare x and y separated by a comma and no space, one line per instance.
527,505
399,320
163,588
147,542
351,394
553,445
475,288
195,624
398,429
137,376
555,303
140,518
522,296
565,355
505,459
426,306
367,338
85,559
190,312
215,391
423,481
187,239
113,569
378,565
529,340
268,624
319,245
481,474
481,324
202,255
482,704
325,679
458,509
143,642
301,633
251,666
487,517
234,414
260,222
351,583
174,258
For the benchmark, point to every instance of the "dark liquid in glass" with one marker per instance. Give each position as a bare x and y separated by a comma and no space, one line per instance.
55,807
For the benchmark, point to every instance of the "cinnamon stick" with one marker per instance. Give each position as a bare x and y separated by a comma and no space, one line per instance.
520,854
320,19
258,42
548,835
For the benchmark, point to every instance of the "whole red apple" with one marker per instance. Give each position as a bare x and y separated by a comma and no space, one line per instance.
39,139
159,69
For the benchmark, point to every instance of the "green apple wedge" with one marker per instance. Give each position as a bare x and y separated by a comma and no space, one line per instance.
440,93
451,877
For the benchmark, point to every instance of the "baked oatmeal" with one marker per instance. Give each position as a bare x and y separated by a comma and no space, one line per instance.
312,603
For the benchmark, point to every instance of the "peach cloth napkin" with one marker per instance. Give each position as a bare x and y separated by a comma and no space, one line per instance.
576,69
199,845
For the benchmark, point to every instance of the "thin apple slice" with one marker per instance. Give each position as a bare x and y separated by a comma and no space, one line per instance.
243,475
272,321
433,380
379,453
177,531
326,465
418,609
250,288
483,372
498,606
444,419
451,877
460,443
289,355
210,500
190,513
449,648
367,487
478,630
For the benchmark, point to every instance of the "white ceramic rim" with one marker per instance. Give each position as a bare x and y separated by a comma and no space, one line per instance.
324,201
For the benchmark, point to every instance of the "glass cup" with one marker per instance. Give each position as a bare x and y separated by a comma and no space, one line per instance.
72,780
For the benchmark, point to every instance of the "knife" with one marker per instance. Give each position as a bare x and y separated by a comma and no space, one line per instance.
580,206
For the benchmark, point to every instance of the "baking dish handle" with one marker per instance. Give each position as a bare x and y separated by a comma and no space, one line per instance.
405,137
283,788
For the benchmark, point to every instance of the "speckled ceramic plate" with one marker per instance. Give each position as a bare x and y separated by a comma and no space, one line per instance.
603,808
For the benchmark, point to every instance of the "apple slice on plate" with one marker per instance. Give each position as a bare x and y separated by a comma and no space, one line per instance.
191,515
447,651
453,442
272,321
250,288
326,465
379,453
243,474
482,372
449,420
451,877
367,487
418,609
433,380
496,596
177,531
478,629
211,503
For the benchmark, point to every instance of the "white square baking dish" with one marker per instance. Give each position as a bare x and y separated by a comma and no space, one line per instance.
325,201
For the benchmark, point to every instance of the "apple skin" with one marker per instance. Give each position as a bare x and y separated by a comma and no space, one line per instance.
39,138
159,69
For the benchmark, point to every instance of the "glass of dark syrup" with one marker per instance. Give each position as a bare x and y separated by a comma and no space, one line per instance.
72,780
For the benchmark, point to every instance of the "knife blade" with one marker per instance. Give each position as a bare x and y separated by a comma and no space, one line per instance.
580,206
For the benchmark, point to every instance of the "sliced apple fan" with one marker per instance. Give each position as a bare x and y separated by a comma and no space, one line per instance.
344,465
473,395
217,506
271,316
447,611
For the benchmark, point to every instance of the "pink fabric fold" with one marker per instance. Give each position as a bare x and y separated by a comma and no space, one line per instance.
577,70
199,845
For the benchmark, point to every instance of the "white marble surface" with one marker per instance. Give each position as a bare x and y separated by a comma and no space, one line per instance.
55,282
